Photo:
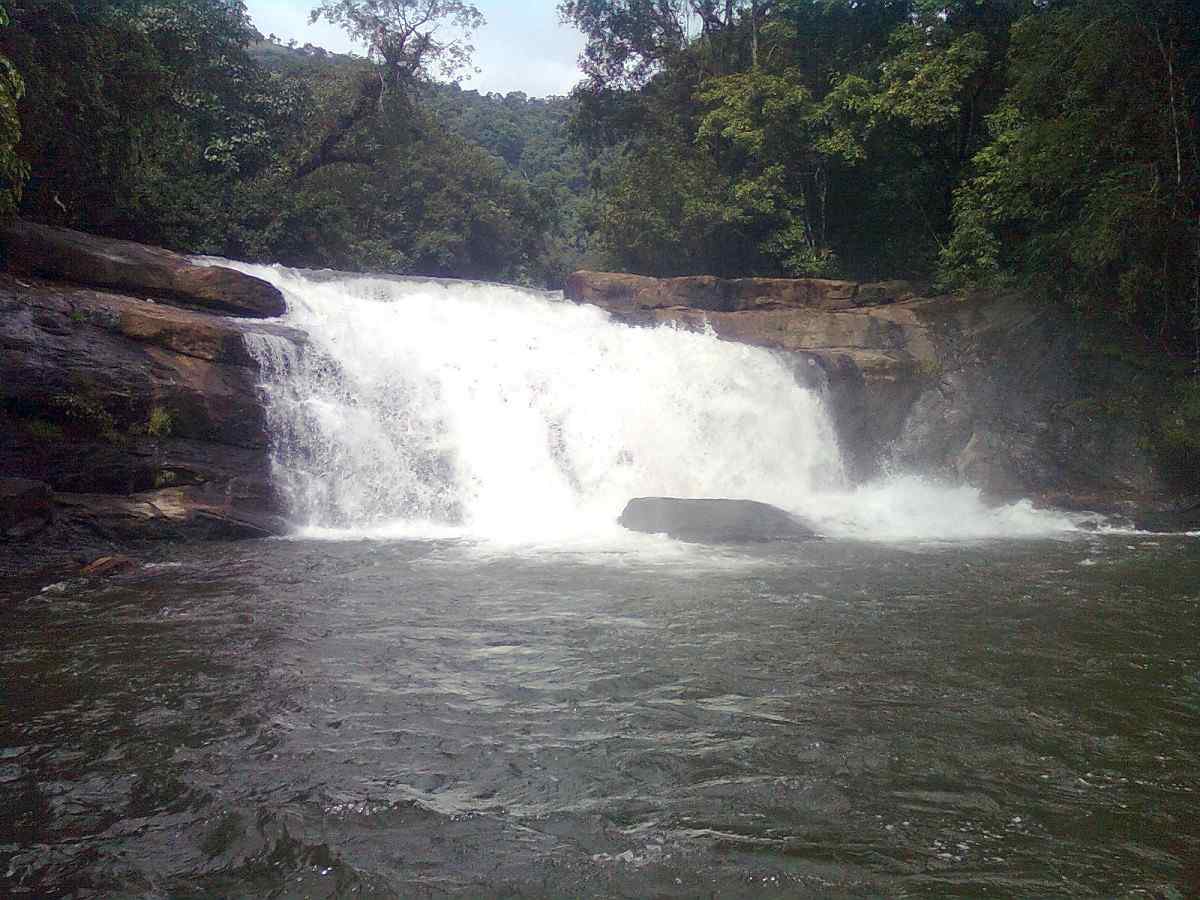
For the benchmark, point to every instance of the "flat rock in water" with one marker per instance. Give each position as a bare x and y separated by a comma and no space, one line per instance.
715,521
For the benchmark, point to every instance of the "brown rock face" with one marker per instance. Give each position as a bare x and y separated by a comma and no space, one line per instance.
190,513
143,420
993,389
620,292
61,253
108,566
87,358
714,520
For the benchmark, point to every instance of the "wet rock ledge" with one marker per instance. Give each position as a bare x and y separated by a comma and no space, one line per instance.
129,407
994,389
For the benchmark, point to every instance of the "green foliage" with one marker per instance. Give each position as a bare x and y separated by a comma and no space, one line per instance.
87,415
160,422
13,170
930,368
403,36
923,83
1051,144
836,130
170,123
627,39
1089,185
1177,433
786,145
982,143
111,87
664,213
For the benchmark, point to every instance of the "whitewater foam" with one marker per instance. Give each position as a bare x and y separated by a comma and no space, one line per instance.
437,409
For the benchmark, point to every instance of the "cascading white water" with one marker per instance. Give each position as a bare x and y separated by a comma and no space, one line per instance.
423,407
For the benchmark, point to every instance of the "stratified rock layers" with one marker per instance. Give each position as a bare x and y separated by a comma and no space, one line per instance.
61,253
141,419
993,389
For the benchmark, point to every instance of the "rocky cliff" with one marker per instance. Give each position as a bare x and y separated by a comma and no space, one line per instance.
128,413
993,389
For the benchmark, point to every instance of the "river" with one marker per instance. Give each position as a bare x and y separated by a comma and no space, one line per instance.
430,718
460,678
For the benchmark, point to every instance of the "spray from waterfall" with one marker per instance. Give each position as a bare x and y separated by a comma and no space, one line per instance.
421,407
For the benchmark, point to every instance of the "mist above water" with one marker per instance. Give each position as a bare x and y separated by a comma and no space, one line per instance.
437,408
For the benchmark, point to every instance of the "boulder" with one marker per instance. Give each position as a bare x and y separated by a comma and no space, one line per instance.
98,365
713,521
204,512
146,271
143,421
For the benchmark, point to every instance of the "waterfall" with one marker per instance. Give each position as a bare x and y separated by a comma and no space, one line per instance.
424,407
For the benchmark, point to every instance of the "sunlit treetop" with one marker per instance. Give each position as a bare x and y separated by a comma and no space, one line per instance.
413,40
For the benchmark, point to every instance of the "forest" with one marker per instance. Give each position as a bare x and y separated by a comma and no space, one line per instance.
1046,145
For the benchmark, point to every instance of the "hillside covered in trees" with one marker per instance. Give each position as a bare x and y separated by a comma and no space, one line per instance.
175,123
1052,144
1048,144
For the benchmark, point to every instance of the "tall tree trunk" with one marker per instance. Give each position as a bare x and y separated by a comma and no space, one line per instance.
729,40
1168,55
754,35
1196,307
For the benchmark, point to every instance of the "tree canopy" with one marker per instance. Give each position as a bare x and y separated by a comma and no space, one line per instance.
405,37
1049,144
173,122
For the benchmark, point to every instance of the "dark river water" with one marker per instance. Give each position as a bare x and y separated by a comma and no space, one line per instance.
414,719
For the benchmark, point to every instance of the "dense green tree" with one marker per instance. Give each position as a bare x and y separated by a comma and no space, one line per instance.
1048,141
406,44
1090,186
13,170
531,137
169,121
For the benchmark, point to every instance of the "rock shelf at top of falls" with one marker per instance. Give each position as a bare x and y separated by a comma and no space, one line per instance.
61,253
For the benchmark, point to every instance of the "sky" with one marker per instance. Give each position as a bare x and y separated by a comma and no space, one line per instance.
522,48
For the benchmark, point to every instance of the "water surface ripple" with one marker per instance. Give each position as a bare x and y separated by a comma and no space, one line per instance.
416,719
